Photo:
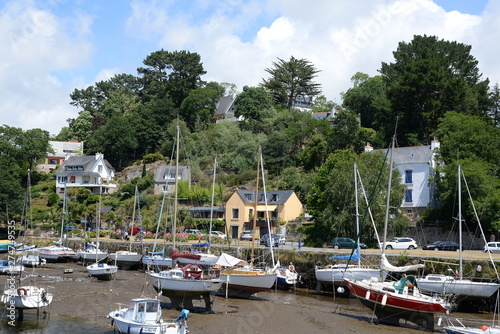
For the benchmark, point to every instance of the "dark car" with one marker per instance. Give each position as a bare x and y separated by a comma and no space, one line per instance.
346,243
442,245
264,240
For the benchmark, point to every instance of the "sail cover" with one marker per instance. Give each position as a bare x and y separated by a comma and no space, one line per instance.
227,260
385,265
354,257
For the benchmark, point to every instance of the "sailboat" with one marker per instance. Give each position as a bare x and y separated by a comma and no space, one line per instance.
458,285
241,279
182,285
392,301
57,252
334,274
127,259
196,257
157,260
101,270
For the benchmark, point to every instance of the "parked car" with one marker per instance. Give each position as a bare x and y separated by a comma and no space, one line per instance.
218,234
282,239
442,245
345,243
266,240
193,231
246,235
400,243
492,247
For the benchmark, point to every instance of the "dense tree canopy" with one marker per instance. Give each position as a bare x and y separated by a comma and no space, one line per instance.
428,78
290,80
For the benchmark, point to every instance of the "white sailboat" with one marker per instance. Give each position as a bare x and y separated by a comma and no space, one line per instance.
101,270
335,274
241,279
458,285
392,301
32,258
127,259
144,315
205,259
182,285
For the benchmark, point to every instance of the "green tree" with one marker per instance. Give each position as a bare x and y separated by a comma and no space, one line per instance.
253,104
494,109
429,78
173,73
290,80
199,106
331,201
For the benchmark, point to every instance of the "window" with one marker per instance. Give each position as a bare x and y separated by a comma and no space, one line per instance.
248,197
236,212
408,176
63,179
274,197
408,196
165,188
99,169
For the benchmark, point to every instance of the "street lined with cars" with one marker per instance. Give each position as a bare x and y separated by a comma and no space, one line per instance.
400,243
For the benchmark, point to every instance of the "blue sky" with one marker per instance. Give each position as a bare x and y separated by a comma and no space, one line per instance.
51,47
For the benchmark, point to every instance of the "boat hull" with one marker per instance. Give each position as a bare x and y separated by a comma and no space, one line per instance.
126,260
245,283
102,271
27,297
391,307
464,289
336,274
468,330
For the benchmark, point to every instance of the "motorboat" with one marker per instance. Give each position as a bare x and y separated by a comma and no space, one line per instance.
144,315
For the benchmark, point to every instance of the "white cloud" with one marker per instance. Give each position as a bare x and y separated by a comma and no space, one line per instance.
34,45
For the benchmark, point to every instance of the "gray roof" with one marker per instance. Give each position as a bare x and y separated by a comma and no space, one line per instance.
224,104
88,162
207,208
412,154
276,197
162,170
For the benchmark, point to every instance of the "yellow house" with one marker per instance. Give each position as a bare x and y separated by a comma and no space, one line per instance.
282,206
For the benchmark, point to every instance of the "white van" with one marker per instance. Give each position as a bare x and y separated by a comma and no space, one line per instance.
492,247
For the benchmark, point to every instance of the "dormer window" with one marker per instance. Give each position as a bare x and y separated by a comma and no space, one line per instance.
248,197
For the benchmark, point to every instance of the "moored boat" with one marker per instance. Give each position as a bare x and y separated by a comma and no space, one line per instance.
144,315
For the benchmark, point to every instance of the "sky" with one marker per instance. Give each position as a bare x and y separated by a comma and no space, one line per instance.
49,48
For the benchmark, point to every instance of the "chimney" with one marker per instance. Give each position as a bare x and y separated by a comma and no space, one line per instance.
368,147
435,144
99,155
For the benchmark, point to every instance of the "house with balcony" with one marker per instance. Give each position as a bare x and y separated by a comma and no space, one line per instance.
165,178
281,206
416,164
92,172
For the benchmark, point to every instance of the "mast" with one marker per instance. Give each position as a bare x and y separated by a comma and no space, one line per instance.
271,241
132,224
255,207
176,185
460,220
386,219
357,210
212,205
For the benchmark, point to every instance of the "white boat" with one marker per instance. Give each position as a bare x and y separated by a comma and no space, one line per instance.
102,271
157,260
182,285
392,301
469,330
286,278
457,285
91,253
240,279
143,316
31,258
26,297
10,268
57,253
125,259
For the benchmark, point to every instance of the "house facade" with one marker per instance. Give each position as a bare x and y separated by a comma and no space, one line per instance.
61,151
282,206
92,172
165,178
416,165
225,109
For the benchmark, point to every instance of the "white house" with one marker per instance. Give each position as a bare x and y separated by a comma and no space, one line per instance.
416,165
91,172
